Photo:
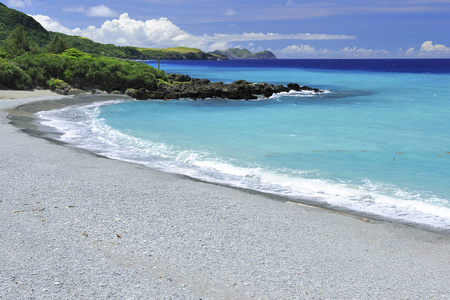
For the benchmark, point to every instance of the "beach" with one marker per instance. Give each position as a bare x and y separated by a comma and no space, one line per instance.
76,225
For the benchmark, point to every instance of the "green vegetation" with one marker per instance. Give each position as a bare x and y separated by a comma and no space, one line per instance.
54,63
57,45
79,69
16,43
13,77
11,18
89,46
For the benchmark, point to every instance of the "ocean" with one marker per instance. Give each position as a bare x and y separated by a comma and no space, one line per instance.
376,143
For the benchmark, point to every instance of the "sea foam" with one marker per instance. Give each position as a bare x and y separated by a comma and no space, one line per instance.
83,127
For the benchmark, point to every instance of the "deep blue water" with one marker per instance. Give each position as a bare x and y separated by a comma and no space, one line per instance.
377,142
371,65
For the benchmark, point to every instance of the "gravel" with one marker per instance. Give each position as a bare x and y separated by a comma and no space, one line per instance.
78,226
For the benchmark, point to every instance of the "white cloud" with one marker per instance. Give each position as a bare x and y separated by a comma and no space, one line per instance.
52,25
220,46
410,51
308,51
361,52
101,11
278,36
19,3
163,33
429,47
230,13
94,11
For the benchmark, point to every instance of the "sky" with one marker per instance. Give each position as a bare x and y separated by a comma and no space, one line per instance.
288,28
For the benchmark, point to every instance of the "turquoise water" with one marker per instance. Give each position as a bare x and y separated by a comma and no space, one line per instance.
377,143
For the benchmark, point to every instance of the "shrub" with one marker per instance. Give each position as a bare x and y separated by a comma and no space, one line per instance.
74,53
85,71
54,84
68,76
12,77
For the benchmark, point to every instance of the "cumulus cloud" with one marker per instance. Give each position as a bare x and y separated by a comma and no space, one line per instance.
163,33
52,25
94,11
19,3
429,47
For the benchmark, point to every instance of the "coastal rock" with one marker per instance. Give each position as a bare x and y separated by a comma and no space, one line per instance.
179,77
74,91
139,94
183,86
98,92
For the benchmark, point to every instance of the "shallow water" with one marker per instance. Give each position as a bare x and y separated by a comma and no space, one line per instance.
377,142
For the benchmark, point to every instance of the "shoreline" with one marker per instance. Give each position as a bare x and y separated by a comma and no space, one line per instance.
22,119
78,225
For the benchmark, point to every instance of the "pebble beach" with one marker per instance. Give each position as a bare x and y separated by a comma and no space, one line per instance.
75,225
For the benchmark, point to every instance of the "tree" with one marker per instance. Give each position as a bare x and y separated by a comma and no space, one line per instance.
57,45
16,43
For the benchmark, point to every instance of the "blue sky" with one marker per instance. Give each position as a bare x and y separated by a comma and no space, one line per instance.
289,28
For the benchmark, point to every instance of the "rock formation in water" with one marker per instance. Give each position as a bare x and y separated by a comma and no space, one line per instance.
183,86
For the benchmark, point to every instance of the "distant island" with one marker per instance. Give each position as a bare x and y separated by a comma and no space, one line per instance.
236,53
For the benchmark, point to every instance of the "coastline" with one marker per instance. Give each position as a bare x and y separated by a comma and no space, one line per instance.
79,225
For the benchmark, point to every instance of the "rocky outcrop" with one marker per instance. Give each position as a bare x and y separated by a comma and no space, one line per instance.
183,86
180,86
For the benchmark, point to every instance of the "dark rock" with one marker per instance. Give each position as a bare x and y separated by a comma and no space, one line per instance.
280,89
139,94
178,77
183,86
74,91
294,87
98,92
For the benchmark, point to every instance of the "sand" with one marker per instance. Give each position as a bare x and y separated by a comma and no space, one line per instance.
79,226
13,94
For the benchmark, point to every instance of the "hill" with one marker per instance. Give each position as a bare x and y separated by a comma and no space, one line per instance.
236,53
128,52
11,18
